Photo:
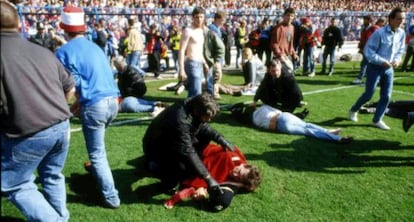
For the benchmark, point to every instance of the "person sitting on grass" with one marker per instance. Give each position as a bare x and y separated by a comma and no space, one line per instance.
270,118
230,169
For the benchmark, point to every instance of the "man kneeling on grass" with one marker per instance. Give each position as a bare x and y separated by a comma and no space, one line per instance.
229,169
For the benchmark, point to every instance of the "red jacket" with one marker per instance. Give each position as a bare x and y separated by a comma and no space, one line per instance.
219,163
365,34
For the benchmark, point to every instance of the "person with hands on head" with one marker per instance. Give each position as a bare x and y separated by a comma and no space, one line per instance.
175,139
383,51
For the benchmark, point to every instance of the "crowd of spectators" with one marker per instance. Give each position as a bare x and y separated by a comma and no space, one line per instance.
177,12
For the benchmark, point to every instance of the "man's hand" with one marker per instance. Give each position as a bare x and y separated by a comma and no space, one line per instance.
226,144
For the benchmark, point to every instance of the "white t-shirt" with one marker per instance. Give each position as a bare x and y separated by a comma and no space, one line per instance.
263,115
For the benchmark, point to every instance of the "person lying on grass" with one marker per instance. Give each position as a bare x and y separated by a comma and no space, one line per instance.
229,169
270,118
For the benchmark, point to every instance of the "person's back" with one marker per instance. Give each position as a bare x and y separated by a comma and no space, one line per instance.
97,96
131,83
92,69
34,123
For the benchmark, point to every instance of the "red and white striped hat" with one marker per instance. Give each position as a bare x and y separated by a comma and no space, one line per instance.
73,19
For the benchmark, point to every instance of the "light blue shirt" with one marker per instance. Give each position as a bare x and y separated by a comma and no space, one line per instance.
385,45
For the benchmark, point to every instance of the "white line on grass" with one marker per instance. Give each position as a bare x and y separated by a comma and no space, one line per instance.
305,93
117,123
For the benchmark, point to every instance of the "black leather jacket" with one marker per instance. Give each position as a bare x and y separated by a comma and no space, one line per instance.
175,140
131,83
282,93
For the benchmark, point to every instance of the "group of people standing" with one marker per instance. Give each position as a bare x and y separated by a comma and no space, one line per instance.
176,144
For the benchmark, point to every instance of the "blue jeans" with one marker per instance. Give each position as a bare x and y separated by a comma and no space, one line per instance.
134,59
132,104
45,151
291,124
364,64
95,118
328,51
308,59
195,73
384,76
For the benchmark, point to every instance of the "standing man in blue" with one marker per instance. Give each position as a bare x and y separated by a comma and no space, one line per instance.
34,123
96,93
383,52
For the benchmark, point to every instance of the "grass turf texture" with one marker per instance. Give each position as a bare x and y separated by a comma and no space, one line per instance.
304,179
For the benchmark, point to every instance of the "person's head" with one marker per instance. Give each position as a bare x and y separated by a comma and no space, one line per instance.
40,27
248,175
367,20
274,68
131,22
72,21
9,18
380,21
288,16
203,107
396,18
220,18
198,15
333,21
242,23
247,53
120,64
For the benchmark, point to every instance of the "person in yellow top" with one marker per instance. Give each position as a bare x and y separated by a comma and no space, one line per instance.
175,39
134,46
240,37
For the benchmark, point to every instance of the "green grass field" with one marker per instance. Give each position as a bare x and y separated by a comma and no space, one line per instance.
304,179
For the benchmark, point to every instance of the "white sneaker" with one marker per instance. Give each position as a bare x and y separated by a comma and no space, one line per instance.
353,116
381,125
311,74
180,90
357,81
157,110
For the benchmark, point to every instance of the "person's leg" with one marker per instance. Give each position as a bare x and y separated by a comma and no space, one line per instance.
50,169
363,69
332,61
18,164
385,93
407,57
132,104
291,124
210,81
95,119
195,73
324,58
306,54
370,85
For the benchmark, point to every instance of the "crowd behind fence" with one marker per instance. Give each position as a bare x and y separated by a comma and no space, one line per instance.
350,22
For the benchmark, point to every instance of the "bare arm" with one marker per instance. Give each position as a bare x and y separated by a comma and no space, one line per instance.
181,54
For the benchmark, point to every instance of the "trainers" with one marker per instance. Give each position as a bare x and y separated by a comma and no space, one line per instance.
180,90
312,74
353,116
381,125
112,203
346,140
330,73
157,110
407,123
357,81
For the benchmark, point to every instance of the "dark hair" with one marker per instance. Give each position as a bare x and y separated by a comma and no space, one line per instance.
198,10
254,178
289,11
394,12
204,104
220,15
8,17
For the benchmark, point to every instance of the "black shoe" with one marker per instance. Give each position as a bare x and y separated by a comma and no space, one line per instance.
407,123
346,140
303,114
237,93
